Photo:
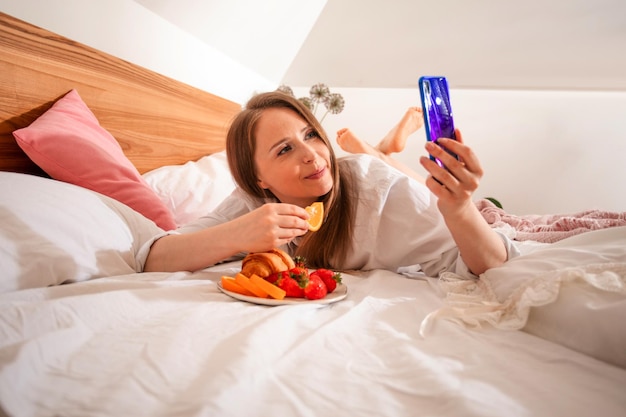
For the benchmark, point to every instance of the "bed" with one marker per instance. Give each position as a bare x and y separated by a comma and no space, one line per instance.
97,155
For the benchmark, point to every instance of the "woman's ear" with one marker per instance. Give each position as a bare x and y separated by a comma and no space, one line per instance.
262,184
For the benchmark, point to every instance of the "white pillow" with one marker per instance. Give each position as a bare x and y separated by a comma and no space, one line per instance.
577,290
193,189
52,232
572,292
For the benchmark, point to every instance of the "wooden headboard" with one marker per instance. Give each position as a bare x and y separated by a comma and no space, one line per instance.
157,120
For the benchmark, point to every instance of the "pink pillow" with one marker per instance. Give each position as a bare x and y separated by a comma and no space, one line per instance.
69,144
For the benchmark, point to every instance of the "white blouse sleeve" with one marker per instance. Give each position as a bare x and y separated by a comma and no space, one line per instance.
235,205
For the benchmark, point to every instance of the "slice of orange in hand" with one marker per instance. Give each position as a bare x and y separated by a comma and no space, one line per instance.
316,211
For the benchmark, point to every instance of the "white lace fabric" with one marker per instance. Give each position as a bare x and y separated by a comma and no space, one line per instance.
473,303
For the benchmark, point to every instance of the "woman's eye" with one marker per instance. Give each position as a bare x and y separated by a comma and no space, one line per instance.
312,135
284,149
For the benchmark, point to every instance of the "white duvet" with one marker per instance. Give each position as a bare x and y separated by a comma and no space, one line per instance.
162,344
114,342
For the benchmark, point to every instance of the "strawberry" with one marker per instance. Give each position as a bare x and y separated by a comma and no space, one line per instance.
330,278
300,261
274,277
291,287
315,288
299,273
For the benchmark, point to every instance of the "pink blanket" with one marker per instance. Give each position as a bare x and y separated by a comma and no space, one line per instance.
551,227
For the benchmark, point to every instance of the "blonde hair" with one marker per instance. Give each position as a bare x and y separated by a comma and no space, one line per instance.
328,247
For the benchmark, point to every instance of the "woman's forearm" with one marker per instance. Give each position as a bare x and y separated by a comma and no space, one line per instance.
480,246
190,252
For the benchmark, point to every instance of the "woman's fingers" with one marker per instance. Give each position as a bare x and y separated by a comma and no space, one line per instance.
459,178
289,221
467,160
290,218
272,225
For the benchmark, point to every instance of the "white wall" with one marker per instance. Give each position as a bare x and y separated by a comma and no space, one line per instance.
544,152
126,29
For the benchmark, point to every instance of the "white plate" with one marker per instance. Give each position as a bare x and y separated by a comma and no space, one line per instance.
339,294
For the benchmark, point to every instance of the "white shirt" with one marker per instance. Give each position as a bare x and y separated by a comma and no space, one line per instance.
397,222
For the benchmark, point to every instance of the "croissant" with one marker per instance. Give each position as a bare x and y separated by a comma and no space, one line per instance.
265,264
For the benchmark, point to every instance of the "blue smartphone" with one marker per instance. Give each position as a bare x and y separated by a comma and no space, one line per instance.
437,110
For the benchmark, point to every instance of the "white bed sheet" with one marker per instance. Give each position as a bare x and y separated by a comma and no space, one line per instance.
159,344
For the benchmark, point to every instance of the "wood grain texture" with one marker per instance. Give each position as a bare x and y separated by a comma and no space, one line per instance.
157,120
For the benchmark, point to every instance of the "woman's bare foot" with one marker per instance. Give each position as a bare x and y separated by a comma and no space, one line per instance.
350,143
395,140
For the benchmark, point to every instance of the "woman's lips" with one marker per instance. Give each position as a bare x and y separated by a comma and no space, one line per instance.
317,174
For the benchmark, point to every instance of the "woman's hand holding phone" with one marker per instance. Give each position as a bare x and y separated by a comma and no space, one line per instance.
481,247
455,183
455,173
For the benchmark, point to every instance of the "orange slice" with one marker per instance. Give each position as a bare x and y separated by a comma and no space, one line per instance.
229,284
316,211
244,281
273,291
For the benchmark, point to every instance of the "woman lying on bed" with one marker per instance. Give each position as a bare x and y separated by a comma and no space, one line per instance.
376,217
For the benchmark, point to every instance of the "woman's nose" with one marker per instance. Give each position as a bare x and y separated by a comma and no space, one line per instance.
309,153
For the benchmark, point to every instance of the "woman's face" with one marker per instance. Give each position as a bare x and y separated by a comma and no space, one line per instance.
292,161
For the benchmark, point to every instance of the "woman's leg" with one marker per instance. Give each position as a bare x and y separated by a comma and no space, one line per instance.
394,141
352,144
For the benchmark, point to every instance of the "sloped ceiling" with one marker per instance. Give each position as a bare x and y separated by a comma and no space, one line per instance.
531,44
261,35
